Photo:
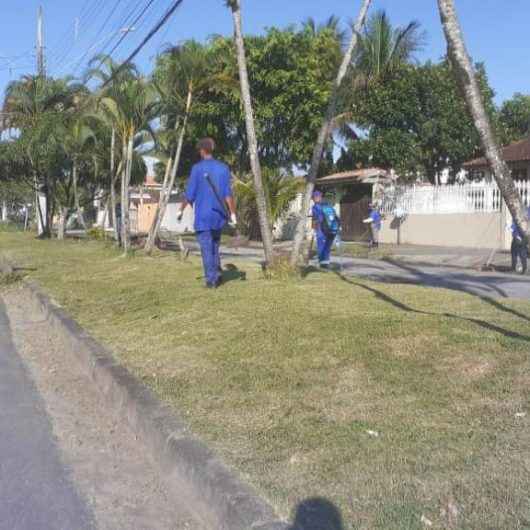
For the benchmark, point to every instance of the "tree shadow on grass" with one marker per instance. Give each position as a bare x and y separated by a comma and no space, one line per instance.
451,285
317,513
404,307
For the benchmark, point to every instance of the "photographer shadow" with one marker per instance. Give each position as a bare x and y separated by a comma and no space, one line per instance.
317,513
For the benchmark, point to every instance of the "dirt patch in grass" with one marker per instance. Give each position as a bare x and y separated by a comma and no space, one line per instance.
392,402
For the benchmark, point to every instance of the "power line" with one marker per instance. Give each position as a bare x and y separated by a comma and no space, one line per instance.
136,20
149,36
88,14
124,30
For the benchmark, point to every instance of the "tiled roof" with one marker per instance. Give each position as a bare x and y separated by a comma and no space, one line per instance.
515,152
355,175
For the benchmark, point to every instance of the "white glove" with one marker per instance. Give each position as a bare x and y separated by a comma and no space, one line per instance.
180,215
367,221
233,220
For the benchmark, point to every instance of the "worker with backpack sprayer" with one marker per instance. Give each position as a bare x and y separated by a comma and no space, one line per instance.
326,224
209,191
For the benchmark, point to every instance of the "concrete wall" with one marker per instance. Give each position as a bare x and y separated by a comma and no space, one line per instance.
473,230
170,222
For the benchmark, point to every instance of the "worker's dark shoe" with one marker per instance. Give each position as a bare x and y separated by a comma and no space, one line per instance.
212,285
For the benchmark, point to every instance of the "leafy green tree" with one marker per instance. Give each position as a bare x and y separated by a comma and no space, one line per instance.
514,118
416,122
39,108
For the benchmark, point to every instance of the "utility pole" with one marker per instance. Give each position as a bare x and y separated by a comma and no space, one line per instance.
41,216
41,67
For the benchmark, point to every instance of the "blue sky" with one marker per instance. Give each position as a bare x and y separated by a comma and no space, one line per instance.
495,33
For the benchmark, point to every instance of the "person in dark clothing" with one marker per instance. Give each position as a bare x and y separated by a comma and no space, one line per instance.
519,247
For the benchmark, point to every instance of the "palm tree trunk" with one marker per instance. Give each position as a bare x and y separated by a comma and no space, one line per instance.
165,193
261,199
323,135
62,222
113,184
126,229
466,78
80,217
47,229
122,194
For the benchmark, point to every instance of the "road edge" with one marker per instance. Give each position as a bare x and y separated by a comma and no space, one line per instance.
215,494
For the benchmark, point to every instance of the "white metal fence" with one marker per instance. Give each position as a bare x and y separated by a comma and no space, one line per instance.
450,199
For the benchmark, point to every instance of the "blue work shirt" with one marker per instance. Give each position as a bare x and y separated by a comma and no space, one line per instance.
516,233
375,216
318,214
209,211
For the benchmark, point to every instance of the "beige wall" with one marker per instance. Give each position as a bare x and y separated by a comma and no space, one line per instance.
474,230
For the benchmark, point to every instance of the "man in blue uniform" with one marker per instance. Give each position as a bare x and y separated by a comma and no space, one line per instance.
209,191
326,225
375,222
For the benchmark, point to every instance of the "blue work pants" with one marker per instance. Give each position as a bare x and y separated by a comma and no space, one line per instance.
324,245
209,241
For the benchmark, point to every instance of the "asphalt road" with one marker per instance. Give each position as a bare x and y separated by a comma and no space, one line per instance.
35,487
482,284
67,460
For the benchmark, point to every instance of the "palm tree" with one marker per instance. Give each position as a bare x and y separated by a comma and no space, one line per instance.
467,80
110,74
183,73
324,133
281,192
36,106
382,48
332,24
27,99
130,106
261,199
77,137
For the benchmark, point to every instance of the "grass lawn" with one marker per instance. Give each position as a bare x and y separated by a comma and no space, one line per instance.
396,403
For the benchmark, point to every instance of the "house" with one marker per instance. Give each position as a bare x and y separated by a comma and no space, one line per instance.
354,191
144,201
516,155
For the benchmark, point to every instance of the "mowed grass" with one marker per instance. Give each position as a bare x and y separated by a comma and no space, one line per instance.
401,405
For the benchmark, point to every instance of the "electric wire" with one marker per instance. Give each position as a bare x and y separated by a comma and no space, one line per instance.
163,20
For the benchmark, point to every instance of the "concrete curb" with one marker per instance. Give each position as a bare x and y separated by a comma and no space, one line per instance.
214,493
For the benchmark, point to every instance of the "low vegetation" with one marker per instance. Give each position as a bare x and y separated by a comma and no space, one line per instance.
401,405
